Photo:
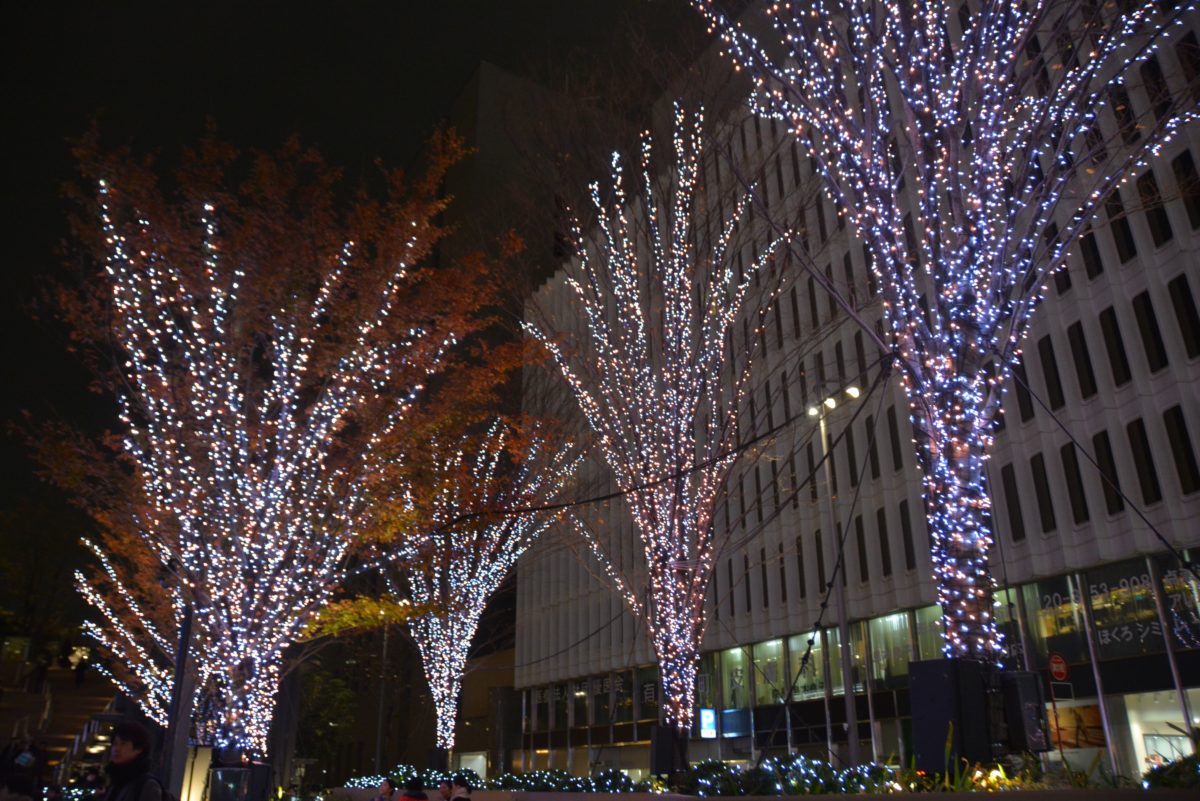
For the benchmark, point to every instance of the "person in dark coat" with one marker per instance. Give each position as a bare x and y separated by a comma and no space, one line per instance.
414,790
128,769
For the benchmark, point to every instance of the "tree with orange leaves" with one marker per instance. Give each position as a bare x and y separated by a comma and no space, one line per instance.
266,330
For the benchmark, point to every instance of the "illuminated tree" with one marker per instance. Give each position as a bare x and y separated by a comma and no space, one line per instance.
1002,131
266,347
656,297
467,510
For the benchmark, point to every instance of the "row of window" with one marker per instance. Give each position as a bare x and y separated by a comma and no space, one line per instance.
1153,347
1107,475
725,587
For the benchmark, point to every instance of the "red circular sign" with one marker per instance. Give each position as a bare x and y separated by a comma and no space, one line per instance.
1058,667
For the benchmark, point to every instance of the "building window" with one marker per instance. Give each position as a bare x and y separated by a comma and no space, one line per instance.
1054,390
1012,502
831,291
1119,225
872,447
820,545
729,585
1187,50
746,581
812,474
1156,213
839,360
894,433
1143,461
860,352
800,566
1155,85
794,489
783,596
1181,449
1122,109
885,547
860,537
1070,463
1021,385
1109,479
1093,264
1185,314
1187,180
1152,341
910,553
851,456
813,315
1037,466
1083,360
1115,346
762,574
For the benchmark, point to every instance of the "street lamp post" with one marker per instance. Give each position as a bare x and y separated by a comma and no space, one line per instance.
820,411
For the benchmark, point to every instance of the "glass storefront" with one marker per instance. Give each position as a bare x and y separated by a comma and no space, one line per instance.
735,679
770,681
891,650
579,703
647,693
929,632
623,696
811,683
1147,726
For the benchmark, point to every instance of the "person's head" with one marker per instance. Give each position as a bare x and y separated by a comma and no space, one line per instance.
387,787
414,785
129,741
460,783
444,788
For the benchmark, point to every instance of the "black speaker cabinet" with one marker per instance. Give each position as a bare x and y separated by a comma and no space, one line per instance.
1025,709
950,700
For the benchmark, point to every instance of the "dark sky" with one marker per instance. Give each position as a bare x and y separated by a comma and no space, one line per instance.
358,79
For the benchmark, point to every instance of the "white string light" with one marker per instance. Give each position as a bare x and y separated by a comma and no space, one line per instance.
653,378
233,439
482,514
997,155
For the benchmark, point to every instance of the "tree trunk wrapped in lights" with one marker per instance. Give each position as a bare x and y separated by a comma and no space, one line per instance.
470,509
658,295
1001,130
267,347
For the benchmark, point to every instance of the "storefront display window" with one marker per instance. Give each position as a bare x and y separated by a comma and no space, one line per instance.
929,632
890,650
647,693
541,708
770,681
1055,621
559,702
1181,599
623,696
707,682
735,678
579,700
858,657
835,660
601,700
811,681
1123,607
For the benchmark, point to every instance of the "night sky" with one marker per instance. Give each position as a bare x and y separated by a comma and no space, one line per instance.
359,80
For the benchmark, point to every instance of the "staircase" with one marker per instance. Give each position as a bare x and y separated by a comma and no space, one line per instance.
55,717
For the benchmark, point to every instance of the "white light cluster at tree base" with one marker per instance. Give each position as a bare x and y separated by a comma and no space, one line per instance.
232,437
479,530
1002,166
653,378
